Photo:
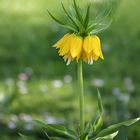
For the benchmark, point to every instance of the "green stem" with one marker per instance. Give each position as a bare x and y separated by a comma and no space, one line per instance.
81,95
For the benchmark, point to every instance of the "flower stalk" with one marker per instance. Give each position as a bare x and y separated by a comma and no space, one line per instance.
81,95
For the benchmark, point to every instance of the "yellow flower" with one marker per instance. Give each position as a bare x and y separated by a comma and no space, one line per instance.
72,47
91,49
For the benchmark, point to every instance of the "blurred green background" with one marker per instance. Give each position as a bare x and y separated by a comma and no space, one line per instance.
35,83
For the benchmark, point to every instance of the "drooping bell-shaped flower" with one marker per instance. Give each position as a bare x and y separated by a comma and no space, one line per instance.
82,41
75,47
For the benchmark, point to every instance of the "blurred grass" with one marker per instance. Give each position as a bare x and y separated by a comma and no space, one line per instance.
26,36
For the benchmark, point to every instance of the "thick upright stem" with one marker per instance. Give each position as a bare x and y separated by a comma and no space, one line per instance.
81,95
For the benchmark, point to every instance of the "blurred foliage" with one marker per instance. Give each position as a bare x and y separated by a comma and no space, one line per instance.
26,36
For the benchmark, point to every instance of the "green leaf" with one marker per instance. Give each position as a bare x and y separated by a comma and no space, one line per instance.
80,25
54,18
92,127
115,127
103,16
79,16
23,137
57,130
91,26
100,106
100,27
69,27
101,23
70,17
98,123
97,120
47,136
86,20
88,129
107,137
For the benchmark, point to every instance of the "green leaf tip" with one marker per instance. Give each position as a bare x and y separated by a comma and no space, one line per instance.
54,18
98,124
56,130
108,137
115,127
86,20
79,16
69,16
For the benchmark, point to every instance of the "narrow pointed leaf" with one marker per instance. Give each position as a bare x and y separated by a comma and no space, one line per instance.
87,127
103,16
70,17
98,124
78,12
47,136
77,21
96,25
91,26
87,131
86,20
56,130
101,27
57,20
80,25
115,127
70,28
108,137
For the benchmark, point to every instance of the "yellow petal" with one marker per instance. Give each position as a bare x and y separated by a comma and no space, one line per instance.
84,57
95,57
97,46
87,45
79,56
76,46
101,55
65,47
89,55
61,41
